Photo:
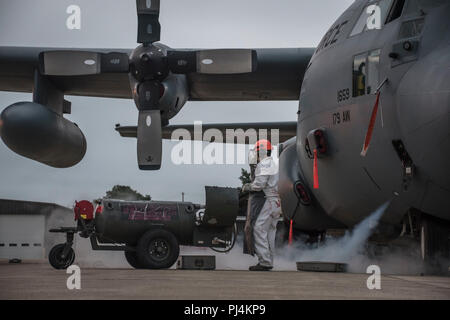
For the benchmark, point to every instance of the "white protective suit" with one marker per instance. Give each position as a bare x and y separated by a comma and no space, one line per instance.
266,179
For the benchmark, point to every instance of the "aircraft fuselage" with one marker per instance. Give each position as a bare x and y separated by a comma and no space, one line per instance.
338,96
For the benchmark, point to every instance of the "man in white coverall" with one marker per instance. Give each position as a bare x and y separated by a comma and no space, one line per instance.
266,179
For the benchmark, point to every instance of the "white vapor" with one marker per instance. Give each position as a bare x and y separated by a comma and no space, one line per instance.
345,248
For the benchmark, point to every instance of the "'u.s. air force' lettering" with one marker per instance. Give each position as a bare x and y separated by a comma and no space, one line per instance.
332,36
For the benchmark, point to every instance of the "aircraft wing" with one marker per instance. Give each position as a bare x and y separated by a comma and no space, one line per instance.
286,130
278,76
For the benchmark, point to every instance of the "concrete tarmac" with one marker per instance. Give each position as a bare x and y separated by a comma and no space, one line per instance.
41,281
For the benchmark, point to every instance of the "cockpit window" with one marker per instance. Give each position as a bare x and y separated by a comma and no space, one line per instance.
411,28
373,69
359,75
366,72
396,10
370,12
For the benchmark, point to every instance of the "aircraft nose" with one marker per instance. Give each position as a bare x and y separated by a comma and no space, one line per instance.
424,116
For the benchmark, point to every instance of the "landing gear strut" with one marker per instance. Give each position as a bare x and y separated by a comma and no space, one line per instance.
434,245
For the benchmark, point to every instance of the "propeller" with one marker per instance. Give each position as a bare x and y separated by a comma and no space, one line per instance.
77,63
149,29
147,66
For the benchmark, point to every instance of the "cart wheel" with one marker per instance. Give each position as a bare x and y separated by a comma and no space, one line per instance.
158,249
55,259
132,259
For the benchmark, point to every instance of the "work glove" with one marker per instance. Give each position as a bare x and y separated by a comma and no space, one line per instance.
247,187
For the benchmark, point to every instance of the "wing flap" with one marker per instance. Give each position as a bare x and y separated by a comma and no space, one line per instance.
286,130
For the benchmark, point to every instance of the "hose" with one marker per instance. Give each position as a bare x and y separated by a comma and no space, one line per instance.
233,241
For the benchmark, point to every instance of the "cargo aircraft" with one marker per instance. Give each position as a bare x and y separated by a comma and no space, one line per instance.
372,123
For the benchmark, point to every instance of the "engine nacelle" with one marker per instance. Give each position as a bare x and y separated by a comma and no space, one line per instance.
297,201
37,132
176,93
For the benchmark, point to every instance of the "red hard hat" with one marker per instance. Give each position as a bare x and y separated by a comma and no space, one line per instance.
263,144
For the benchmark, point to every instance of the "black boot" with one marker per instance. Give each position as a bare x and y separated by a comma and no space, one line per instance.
259,267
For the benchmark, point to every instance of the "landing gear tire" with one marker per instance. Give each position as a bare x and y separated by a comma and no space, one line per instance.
158,249
57,261
434,246
132,259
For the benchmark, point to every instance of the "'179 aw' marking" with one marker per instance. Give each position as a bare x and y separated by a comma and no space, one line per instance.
339,117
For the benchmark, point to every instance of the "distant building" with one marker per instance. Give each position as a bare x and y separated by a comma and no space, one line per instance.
24,228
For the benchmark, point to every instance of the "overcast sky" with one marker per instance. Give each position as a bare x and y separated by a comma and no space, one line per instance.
111,159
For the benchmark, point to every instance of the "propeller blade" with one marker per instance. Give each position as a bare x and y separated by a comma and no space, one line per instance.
214,61
75,63
149,140
149,28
